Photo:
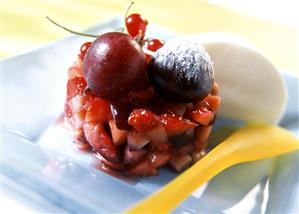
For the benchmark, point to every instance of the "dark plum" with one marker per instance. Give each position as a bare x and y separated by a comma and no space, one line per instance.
182,71
114,65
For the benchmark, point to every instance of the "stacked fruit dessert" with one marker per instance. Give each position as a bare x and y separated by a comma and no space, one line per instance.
140,104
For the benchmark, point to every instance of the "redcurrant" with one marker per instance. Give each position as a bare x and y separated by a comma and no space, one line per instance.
83,49
153,45
135,23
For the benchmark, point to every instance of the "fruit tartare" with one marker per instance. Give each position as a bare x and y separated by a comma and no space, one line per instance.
139,104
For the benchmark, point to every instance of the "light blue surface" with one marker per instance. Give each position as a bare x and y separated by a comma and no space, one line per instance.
48,174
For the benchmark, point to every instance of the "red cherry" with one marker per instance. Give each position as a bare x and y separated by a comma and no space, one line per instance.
135,23
114,66
153,45
83,49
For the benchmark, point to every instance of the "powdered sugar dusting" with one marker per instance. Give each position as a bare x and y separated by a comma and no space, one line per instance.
187,56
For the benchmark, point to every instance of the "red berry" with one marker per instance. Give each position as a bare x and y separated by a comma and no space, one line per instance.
153,45
114,66
143,120
98,111
135,23
202,116
75,87
83,49
175,125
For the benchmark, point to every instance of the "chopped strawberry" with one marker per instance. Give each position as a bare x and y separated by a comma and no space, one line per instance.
77,119
98,111
143,168
101,142
67,110
159,159
76,70
201,135
158,135
175,125
119,136
202,116
137,140
215,89
181,162
162,147
75,87
133,156
117,166
77,104
143,120
213,102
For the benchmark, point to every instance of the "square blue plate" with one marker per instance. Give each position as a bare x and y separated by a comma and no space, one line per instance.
42,170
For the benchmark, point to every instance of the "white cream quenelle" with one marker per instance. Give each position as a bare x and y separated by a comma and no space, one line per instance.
251,88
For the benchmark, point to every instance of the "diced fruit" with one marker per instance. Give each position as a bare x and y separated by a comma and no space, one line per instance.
213,102
158,135
120,113
143,120
215,89
67,110
175,125
77,104
98,111
201,135
159,159
185,149
202,116
119,136
75,87
197,155
133,156
77,119
137,140
76,70
181,162
101,142
162,147
143,168
117,166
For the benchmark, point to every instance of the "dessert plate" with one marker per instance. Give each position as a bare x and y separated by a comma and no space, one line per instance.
42,170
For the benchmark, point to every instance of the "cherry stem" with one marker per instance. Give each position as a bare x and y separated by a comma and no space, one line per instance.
71,31
127,11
